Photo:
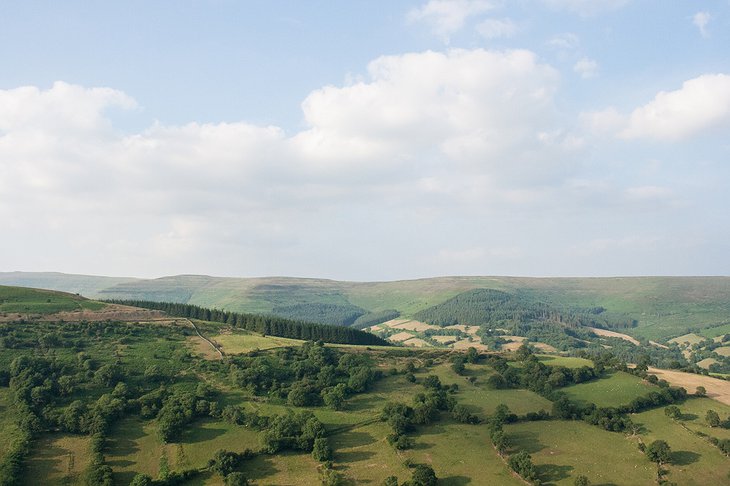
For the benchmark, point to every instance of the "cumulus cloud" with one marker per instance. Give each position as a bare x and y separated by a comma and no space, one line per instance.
700,104
496,28
446,17
586,7
587,68
700,20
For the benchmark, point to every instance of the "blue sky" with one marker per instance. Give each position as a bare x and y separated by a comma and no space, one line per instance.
366,140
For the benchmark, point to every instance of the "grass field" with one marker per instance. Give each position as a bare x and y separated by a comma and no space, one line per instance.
562,450
566,361
57,459
244,343
694,460
32,301
618,388
694,412
8,429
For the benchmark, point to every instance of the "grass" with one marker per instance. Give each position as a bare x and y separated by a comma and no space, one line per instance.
244,343
562,450
57,459
566,361
694,412
8,429
460,454
33,301
618,388
694,461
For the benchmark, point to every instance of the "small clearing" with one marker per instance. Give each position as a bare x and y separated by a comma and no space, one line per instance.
545,347
705,363
465,344
688,339
409,325
401,336
464,328
723,351
614,334
444,339
716,389
416,343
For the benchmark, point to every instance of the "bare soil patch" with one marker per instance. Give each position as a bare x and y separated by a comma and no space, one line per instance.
464,328
716,389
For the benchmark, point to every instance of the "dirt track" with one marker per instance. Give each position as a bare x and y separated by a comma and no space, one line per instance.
716,389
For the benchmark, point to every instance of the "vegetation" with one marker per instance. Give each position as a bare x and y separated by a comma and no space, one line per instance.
127,403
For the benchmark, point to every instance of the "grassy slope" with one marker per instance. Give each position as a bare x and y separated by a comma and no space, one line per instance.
617,389
27,300
563,450
694,460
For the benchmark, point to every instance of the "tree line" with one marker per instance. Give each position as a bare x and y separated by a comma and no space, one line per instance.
264,324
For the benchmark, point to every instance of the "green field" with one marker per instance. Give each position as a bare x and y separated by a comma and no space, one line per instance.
57,459
618,388
694,461
563,450
244,343
8,429
32,301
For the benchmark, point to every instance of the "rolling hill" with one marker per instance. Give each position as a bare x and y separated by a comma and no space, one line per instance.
664,307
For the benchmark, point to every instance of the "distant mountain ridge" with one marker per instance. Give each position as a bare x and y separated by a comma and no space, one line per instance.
663,306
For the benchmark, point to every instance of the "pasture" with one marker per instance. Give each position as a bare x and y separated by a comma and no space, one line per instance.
562,450
618,388
694,461
57,459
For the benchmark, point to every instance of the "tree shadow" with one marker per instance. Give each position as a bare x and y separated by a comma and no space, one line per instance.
200,434
549,473
527,441
260,467
354,439
421,446
688,416
352,456
454,481
684,458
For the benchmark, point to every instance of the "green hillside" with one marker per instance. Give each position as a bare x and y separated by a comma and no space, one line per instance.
34,301
663,307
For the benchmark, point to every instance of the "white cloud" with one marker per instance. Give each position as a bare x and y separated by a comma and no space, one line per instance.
700,104
700,20
566,41
587,68
446,17
496,28
586,7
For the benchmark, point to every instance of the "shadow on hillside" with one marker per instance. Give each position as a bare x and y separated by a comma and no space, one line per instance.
550,473
354,439
688,416
454,481
684,458
344,458
527,441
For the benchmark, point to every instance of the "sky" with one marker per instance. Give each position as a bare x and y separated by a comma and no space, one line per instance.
365,140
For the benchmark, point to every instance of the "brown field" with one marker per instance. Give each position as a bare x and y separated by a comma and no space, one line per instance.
723,351
409,325
705,363
689,339
716,389
444,339
658,345
614,334
416,343
401,336
202,348
464,328
465,344
545,347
